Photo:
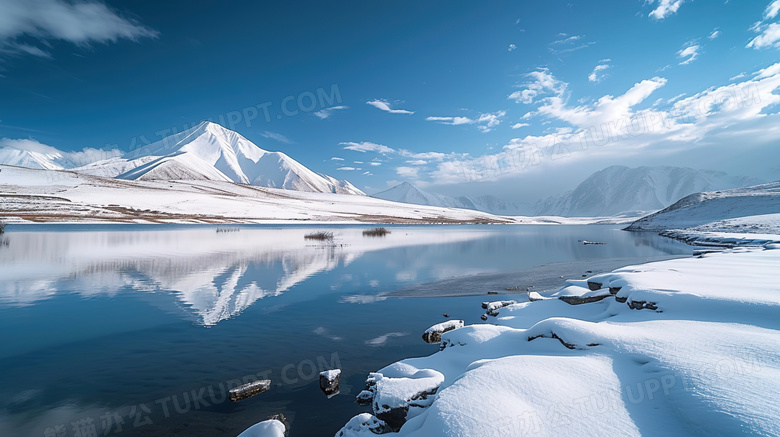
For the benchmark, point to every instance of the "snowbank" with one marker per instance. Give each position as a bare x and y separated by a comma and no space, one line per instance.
679,347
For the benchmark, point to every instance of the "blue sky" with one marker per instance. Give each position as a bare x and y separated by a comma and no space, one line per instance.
518,99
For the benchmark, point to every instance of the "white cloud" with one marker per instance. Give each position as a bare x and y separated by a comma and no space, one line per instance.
543,83
435,156
367,173
366,146
276,137
568,40
771,11
327,112
519,125
619,127
512,47
455,121
690,54
385,106
596,75
769,37
336,158
407,172
665,8
715,33
348,168
78,22
769,34
486,122
375,164
417,162
739,76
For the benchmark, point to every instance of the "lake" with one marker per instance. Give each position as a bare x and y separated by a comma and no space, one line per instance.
139,330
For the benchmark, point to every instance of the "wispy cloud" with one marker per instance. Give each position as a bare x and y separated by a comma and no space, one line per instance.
542,83
598,73
519,125
366,146
769,33
714,34
511,47
384,105
78,22
276,137
485,122
327,112
665,8
408,172
336,158
568,44
348,168
689,54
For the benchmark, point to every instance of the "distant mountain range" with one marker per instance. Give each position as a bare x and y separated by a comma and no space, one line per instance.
207,151
631,191
408,193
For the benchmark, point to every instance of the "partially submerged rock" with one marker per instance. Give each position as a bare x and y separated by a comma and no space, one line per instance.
398,394
248,390
329,382
433,334
361,423
491,308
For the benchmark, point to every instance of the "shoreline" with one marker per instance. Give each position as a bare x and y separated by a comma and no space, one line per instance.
603,323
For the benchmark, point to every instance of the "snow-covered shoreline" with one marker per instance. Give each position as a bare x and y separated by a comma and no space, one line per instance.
678,347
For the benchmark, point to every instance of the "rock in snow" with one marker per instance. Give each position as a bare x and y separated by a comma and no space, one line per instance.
274,427
433,334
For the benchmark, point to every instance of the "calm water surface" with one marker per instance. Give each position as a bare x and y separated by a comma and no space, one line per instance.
140,330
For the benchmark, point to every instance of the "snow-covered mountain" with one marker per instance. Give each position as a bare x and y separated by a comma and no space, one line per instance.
207,151
408,193
703,208
47,160
623,190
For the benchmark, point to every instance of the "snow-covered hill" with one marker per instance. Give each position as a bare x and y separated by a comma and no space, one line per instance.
28,195
408,193
207,151
709,207
623,190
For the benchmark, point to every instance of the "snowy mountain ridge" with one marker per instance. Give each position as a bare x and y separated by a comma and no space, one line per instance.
621,190
207,151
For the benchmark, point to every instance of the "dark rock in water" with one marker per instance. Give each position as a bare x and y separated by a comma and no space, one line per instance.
579,300
248,390
329,382
433,334
592,242
614,290
492,292
593,286
483,317
445,315
621,299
